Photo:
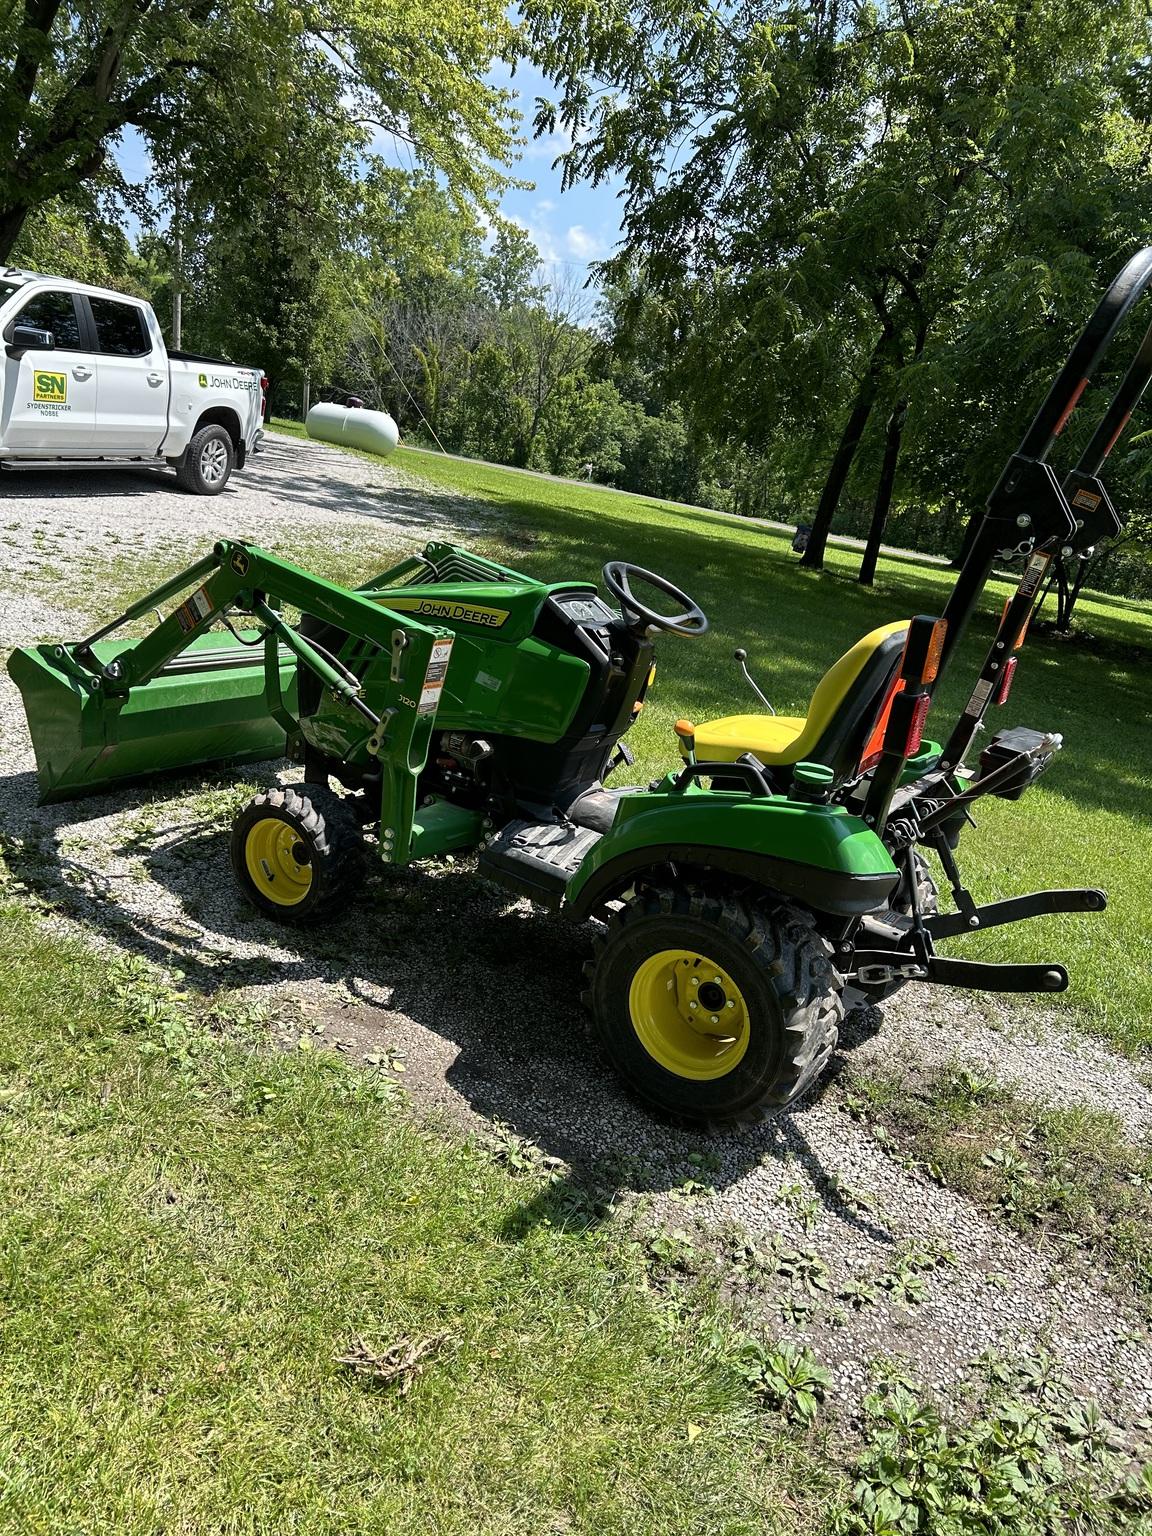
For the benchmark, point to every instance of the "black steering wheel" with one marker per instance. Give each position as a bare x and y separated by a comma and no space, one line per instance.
618,577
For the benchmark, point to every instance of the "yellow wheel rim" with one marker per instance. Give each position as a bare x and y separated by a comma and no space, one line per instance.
273,851
689,1015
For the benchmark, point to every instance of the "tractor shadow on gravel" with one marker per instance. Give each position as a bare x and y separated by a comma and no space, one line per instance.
477,994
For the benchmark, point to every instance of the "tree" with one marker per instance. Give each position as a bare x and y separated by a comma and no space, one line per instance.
60,239
820,195
510,271
214,82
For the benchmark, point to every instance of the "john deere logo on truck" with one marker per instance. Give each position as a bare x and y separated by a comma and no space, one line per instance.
202,380
51,388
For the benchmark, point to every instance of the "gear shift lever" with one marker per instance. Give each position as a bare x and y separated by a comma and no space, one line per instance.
741,656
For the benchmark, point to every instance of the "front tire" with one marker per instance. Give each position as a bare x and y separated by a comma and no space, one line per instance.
297,853
712,1008
206,466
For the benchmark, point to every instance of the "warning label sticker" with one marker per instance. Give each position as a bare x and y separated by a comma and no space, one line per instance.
1087,501
434,677
193,612
1033,572
979,697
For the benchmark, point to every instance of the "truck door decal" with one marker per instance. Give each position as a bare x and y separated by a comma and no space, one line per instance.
49,388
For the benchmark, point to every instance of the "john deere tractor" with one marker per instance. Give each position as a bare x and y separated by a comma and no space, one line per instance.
451,704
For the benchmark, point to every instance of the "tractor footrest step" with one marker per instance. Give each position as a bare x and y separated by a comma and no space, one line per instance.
537,859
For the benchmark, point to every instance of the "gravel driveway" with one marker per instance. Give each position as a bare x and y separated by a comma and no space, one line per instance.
475,994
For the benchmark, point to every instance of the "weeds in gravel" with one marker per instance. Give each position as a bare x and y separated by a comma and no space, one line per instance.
1031,1461
785,1378
673,1250
904,1280
859,1292
1065,1178
804,1209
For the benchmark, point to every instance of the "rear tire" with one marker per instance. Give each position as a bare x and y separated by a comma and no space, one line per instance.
298,853
206,465
767,1003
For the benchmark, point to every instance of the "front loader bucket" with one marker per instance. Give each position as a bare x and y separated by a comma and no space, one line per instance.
208,705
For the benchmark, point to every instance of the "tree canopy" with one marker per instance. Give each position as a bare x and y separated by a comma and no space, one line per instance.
859,221
237,94
858,235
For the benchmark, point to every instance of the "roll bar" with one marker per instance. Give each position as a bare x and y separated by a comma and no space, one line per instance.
1031,509
1028,504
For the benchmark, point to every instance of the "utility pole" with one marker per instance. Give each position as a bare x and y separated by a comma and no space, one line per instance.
177,261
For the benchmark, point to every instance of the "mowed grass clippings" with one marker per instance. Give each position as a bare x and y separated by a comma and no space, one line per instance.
1087,822
193,1234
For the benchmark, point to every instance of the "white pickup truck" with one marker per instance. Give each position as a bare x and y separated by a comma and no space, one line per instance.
89,381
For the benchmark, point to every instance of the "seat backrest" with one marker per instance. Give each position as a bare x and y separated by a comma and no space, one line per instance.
849,697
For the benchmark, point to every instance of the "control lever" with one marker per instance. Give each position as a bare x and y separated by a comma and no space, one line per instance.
741,655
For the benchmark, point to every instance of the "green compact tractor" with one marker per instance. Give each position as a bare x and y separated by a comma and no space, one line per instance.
451,704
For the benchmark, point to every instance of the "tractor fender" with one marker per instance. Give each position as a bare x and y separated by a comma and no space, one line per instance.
819,855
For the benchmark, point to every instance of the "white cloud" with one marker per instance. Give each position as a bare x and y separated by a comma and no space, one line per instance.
549,147
583,245
541,238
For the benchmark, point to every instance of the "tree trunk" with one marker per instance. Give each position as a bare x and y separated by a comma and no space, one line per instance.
813,556
1069,593
12,221
892,438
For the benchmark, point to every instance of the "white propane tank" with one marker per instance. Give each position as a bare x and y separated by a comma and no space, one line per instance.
353,427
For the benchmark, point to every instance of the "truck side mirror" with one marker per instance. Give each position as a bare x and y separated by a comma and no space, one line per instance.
25,338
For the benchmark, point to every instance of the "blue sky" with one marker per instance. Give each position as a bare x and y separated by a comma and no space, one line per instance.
571,229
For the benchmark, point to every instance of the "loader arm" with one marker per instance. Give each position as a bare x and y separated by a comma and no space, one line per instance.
79,695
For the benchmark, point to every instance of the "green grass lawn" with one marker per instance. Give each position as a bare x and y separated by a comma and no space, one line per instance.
1086,823
192,1232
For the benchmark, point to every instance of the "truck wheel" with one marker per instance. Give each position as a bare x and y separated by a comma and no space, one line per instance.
899,915
207,462
710,1008
297,853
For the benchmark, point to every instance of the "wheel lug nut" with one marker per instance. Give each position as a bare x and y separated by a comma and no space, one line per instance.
695,981
693,1004
715,1019
729,1004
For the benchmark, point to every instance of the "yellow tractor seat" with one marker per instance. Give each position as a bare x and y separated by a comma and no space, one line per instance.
841,717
